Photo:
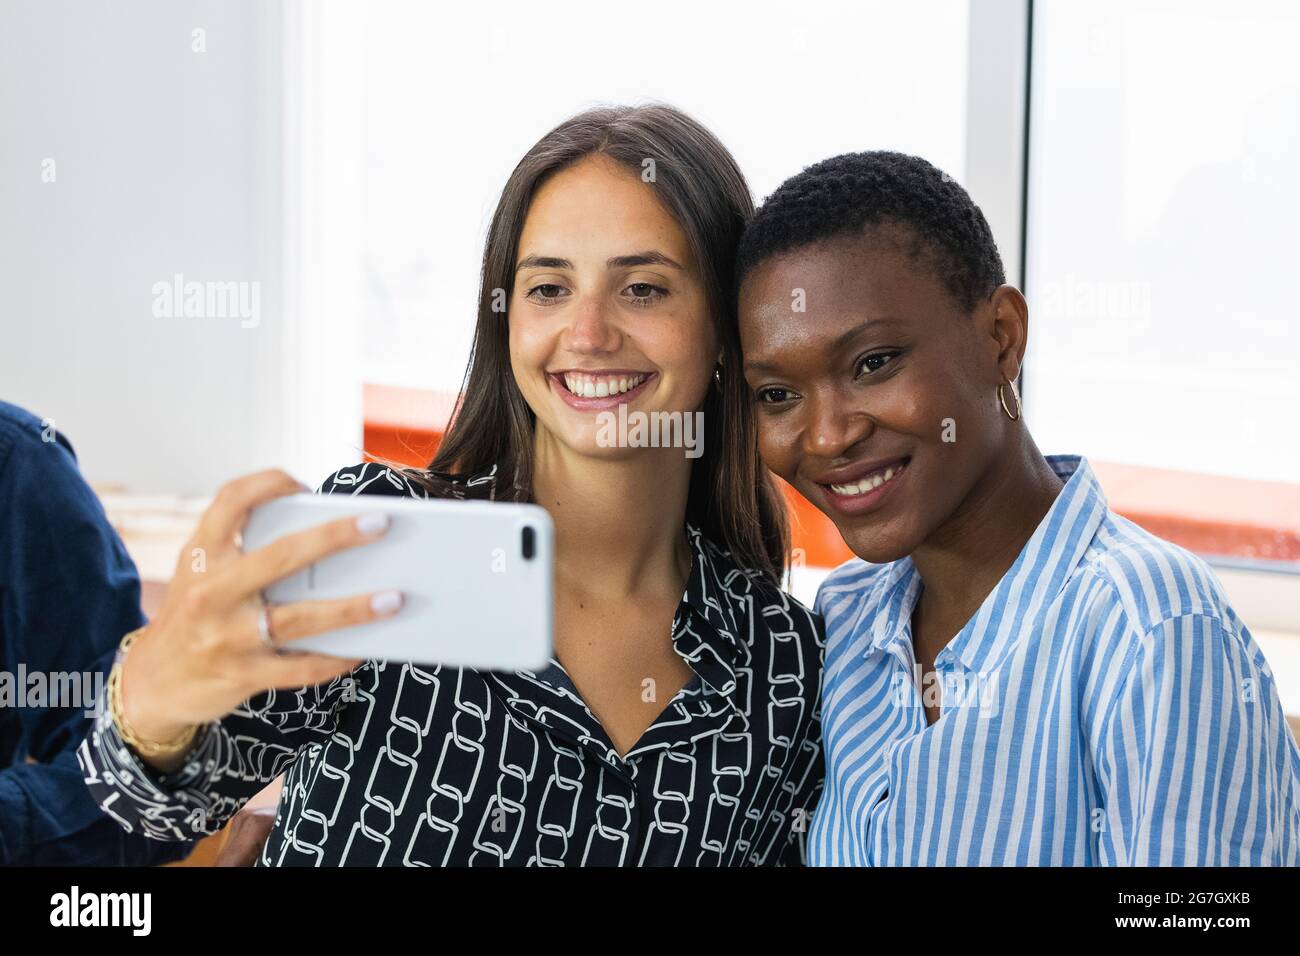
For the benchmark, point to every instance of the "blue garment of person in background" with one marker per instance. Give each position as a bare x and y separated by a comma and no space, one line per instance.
68,594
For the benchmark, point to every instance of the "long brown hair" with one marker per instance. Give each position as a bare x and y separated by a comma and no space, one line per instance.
732,498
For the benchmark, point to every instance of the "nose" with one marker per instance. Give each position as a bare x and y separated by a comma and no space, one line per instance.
834,426
591,330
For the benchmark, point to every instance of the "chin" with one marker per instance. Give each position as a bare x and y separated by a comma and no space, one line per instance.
876,545
583,442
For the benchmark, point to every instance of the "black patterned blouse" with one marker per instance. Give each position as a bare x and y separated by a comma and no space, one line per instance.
398,764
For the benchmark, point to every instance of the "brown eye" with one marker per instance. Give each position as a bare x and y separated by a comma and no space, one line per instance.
875,362
774,395
644,293
545,292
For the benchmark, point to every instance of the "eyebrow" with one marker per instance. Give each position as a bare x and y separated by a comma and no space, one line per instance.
840,342
651,257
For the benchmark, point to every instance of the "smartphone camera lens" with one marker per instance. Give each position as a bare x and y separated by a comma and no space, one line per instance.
528,542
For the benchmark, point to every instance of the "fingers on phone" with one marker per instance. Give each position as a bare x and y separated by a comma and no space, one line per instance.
234,499
293,552
372,525
305,618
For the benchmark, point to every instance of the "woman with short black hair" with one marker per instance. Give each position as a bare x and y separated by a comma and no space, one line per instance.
1014,673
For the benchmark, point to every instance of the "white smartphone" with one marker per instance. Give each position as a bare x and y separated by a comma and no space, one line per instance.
478,578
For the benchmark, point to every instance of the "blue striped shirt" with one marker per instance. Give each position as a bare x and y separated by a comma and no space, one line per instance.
1105,705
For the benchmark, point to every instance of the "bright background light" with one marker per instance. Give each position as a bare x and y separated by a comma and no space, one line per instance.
1164,234
454,95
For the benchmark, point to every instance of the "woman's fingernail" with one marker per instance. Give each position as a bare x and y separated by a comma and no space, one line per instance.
372,523
386,602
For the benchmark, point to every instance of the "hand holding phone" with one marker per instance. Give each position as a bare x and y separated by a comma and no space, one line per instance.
477,578
203,653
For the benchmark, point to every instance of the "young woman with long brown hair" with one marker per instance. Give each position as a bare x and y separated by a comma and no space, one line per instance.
677,724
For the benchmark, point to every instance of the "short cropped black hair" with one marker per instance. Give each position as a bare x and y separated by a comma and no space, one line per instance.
846,194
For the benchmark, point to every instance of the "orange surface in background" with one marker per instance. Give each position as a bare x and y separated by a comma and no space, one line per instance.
1208,514
1236,517
404,424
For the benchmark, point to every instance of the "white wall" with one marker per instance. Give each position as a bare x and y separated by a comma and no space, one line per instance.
167,161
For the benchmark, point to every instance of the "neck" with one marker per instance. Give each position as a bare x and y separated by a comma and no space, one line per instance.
963,561
618,524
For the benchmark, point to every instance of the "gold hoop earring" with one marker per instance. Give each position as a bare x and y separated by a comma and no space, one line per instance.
1003,399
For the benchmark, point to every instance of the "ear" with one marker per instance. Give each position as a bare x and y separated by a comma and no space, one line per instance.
1010,329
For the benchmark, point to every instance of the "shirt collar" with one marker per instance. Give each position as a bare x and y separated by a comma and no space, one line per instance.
893,596
708,588
707,628
1040,571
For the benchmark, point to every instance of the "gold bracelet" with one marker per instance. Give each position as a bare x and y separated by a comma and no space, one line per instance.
145,748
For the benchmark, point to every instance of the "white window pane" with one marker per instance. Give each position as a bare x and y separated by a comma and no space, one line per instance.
1164,234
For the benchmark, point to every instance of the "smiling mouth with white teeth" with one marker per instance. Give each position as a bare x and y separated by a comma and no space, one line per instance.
600,386
865,492
868,482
